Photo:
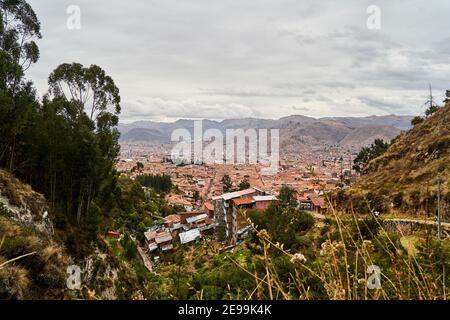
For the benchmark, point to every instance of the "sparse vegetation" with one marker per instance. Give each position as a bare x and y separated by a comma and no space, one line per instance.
369,153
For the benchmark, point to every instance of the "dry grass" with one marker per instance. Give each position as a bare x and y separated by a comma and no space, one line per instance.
342,263
412,164
29,263
21,195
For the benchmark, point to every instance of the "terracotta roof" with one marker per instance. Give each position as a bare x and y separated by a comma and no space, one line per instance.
318,202
163,237
209,206
303,199
150,235
243,201
173,218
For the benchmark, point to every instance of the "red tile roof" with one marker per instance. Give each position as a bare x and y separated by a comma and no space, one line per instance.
318,202
209,206
173,218
243,201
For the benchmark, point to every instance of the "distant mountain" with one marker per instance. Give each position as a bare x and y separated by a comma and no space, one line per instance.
144,134
323,132
296,129
364,136
400,122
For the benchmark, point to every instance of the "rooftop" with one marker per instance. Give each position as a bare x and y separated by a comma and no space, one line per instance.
264,198
243,201
163,237
196,218
189,236
173,218
237,194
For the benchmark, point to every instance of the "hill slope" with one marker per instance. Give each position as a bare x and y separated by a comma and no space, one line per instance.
35,254
26,230
364,136
406,175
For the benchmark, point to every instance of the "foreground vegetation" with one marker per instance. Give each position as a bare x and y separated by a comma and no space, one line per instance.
292,257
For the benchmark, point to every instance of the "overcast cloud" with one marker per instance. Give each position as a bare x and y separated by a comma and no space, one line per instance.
176,59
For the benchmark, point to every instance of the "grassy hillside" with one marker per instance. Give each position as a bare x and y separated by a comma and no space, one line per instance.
32,263
405,177
36,249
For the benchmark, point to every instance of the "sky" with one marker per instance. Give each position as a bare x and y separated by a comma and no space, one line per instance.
213,59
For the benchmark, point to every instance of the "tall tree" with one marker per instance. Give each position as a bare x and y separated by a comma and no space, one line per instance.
287,197
94,92
19,28
97,102
227,183
244,184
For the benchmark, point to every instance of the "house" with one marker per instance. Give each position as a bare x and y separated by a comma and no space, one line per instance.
189,236
244,202
150,236
209,224
164,241
318,204
152,247
155,239
172,222
195,221
181,201
304,202
184,227
209,208
263,202
186,215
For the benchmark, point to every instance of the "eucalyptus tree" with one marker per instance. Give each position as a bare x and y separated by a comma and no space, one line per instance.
97,102
19,30
91,88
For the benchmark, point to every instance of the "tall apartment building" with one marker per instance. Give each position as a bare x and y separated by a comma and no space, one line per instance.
228,209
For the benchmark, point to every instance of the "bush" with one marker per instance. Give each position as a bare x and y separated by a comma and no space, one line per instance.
305,221
398,200
129,247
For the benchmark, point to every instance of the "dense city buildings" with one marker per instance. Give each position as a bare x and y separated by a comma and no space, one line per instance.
211,208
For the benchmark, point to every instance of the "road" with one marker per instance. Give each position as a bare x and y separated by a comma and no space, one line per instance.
211,182
445,225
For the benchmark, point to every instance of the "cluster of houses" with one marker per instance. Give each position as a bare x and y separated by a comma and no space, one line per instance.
182,227
225,211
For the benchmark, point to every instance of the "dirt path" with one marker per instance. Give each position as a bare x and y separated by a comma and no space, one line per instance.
147,263
445,225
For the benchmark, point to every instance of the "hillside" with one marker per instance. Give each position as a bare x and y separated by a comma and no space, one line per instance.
26,231
364,136
405,177
35,253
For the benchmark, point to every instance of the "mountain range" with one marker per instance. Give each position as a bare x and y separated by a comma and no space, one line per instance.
350,132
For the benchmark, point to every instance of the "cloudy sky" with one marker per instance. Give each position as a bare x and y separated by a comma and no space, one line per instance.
222,59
